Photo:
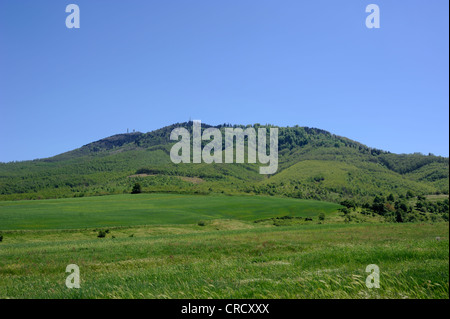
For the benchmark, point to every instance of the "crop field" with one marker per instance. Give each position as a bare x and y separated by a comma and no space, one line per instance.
156,247
150,209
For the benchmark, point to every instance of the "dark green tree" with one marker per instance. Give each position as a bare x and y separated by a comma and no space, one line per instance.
349,204
398,217
136,189
378,205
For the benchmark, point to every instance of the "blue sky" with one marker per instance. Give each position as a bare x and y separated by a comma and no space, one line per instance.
146,64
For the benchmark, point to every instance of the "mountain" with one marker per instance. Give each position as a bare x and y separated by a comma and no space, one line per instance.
313,163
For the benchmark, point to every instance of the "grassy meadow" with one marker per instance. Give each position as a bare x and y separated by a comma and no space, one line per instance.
156,247
150,209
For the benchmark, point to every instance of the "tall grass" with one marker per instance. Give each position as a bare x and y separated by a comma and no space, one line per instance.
229,259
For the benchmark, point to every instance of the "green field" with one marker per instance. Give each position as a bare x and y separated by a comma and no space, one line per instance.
155,248
150,209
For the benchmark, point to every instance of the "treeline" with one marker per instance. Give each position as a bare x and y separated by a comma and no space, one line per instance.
401,209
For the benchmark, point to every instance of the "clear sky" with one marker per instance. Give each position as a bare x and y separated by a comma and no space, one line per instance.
147,64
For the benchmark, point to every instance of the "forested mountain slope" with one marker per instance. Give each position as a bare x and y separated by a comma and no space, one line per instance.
313,163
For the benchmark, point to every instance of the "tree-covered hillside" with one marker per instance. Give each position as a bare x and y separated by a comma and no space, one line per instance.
313,163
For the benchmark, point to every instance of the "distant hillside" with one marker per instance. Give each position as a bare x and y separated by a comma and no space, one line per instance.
313,163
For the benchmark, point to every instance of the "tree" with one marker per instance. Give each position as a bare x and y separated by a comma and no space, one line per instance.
136,189
349,204
398,217
378,205
389,207
402,206
409,194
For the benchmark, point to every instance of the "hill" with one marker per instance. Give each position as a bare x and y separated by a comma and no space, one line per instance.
313,164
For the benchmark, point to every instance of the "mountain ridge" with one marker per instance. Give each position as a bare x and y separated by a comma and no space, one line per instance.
343,168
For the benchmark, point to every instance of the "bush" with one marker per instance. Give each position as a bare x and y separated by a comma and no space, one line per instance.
349,204
202,223
399,217
101,234
409,194
136,189
1,238
322,216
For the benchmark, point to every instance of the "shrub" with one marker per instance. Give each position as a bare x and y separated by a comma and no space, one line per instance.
349,204
318,178
136,189
1,238
409,194
202,223
398,217
321,216
101,234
